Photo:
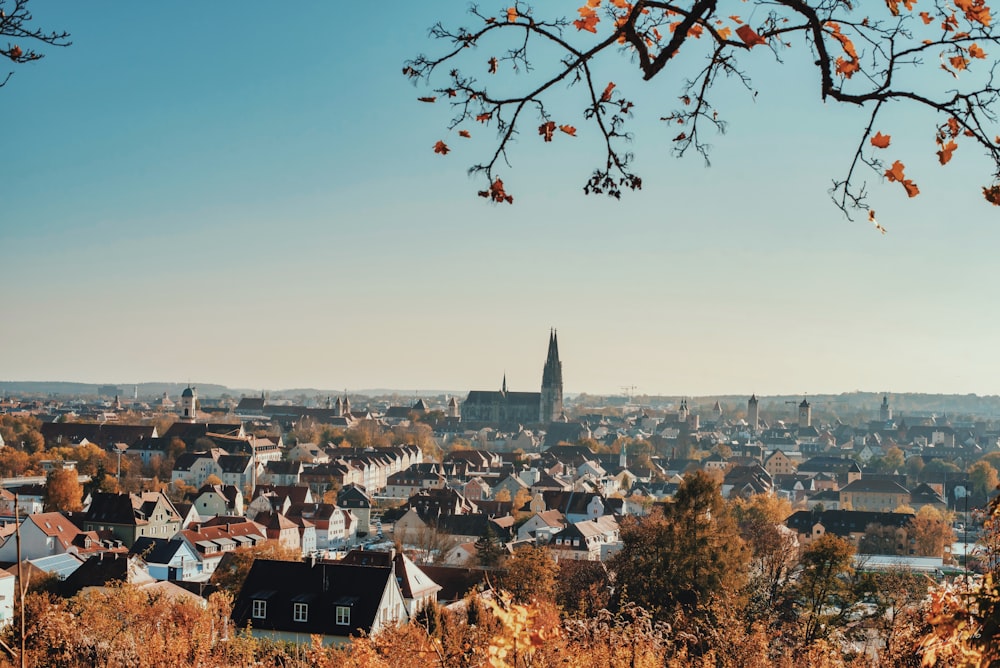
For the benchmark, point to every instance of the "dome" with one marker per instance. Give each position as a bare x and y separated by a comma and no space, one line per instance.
189,392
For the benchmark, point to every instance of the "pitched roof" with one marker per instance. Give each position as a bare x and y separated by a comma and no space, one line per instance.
323,586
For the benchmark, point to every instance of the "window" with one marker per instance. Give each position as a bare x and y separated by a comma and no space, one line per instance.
259,609
300,612
343,615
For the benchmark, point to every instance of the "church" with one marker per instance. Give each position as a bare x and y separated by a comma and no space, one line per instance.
523,408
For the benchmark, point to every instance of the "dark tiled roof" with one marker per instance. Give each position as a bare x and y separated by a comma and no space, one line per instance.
323,586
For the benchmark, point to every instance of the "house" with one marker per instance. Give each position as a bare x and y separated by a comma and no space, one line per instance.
212,500
295,601
356,499
132,516
211,540
417,588
48,534
542,526
282,530
874,495
167,559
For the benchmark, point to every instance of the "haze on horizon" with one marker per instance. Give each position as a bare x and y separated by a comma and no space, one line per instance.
251,199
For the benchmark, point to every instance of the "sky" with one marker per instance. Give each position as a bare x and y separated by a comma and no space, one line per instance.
246,194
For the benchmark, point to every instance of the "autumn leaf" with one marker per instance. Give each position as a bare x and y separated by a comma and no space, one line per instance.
953,126
926,18
958,62
749,36
568,129
451,92
441,147
911,188
725,33
606,95
464,133
15,52
546,130
426,99
511,14
736,19
493,65
895,173
880,140
497,193
944,155
588,23
681,137
482,118
992,195
976,52
976,11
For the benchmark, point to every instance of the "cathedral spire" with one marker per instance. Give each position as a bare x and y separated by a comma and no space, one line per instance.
503,387
552,383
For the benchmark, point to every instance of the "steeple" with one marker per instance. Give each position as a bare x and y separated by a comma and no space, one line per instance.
552,382
503,386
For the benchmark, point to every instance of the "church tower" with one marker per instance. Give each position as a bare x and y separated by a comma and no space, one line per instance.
552,383
884,412
189,404
805,415
753,413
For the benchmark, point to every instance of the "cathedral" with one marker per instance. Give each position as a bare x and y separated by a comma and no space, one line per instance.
521,407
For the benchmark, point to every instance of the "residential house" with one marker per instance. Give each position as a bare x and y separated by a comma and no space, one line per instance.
132,516
48,534
210,541
167,559
874,495
417,588
297,601
212,500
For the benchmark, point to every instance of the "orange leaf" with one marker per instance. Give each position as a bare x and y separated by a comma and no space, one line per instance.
606,95
497,193
681,137
725,33
895,173
749,36
511,14
911,188
958,62
926,18
546,130
880,140
953,126
944,155
464,133
482,118
15,52
441,147
976,52
871,219
736,19
451,92
588,23
493,65
568,129
426,99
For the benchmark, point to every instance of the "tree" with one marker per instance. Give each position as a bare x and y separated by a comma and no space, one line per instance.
773,547
530,575
931,532
682,557
234,566
983,477
822,589
489,548
63,491
884,59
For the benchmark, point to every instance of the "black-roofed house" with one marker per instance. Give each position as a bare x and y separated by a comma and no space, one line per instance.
294,601
417,588
848,524
167,559
132,516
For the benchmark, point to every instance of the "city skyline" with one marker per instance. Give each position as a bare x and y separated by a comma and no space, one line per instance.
253,199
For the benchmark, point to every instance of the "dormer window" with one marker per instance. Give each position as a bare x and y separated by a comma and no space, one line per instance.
343,615
259,609
300,612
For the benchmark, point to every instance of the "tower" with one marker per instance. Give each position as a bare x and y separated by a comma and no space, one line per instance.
552,383
189,404
884,412
453,410
682,412
338,408
805,414
753,413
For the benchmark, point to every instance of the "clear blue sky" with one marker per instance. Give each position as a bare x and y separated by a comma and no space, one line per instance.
245,193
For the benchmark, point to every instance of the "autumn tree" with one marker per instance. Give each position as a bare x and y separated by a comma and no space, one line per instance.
683,557
983,477
63,491
822,589
530,574
883,58
234,566
773,547
931,532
